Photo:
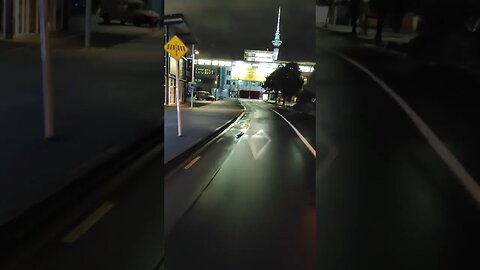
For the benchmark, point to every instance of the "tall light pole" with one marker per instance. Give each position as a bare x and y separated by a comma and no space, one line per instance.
88,23
46,71
193,75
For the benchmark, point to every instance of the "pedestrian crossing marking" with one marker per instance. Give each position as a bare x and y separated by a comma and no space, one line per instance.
176,48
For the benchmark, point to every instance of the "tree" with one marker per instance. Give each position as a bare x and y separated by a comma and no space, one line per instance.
290,80
285,79
331,8
272,83
398,10
354,6
381,8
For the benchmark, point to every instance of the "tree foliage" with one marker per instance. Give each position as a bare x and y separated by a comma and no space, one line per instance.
354,7
286,80
272,83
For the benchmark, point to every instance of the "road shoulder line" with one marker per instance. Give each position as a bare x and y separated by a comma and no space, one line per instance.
445,154
302,138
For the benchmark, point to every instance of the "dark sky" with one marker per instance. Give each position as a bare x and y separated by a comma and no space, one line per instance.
225,28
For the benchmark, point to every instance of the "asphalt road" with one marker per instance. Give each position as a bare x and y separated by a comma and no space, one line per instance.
124,229
253,200
103,100
385,199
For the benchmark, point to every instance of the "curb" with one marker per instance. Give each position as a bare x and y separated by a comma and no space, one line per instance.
92,181
291,108
386,45
179,160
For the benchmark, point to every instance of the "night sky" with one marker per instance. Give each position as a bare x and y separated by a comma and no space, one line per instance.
225,28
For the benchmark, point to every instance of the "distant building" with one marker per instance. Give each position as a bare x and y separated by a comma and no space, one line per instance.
222,78
242,79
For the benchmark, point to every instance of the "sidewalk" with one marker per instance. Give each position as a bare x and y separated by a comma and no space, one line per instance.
104,100
102,36
387,37
447,51
197,123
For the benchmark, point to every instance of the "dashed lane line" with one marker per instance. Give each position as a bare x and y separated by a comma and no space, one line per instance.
88,223
191,163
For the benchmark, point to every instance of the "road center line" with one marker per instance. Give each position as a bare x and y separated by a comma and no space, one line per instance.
190,164
445,154
88,223
312,150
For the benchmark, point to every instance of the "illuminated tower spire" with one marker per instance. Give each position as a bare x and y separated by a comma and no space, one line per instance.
277,42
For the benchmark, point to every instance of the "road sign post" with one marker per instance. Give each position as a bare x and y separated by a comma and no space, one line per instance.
177,49
177,100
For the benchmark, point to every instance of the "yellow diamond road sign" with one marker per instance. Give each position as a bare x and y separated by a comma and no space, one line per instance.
176,48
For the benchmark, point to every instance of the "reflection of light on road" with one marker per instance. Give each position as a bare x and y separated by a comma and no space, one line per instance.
310,229
245,127
251,139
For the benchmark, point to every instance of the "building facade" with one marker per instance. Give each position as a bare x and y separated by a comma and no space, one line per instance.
20,17
170,92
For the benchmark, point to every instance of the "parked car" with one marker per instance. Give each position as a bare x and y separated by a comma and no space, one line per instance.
131,11
199,95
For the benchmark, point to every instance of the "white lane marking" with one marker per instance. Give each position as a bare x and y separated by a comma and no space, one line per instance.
332,154
445,154
255,152
88,223
190,164
221,138
312,150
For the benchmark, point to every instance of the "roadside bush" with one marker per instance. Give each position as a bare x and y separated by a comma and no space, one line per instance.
447,48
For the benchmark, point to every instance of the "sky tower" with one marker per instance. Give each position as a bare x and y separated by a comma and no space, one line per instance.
276,41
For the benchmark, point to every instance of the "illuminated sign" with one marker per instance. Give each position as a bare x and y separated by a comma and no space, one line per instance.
252,72
258,56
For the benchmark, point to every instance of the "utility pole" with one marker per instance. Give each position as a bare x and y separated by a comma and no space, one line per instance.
193,76
88,23
46,71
